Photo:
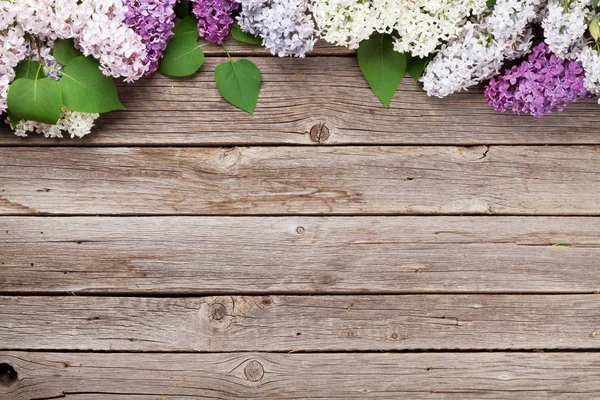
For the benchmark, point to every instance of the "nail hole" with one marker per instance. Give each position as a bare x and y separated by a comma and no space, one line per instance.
8,375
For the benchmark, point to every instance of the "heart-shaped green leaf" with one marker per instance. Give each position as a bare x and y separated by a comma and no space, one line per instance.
14,120
239,83
29,69
383,67
64,51
86,89
416,66
187,26
244,37
182,57
35,99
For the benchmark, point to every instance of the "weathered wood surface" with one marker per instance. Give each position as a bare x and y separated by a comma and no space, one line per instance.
200,255
301,180
239,49
379,279
299,94
300,376
301,323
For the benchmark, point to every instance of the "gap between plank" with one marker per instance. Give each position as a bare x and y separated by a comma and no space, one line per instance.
53,144
169,295
413,351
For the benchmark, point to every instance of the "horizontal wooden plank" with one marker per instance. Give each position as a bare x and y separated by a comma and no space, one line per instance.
300,323
301,180
213,255
300,95
239,49
77,376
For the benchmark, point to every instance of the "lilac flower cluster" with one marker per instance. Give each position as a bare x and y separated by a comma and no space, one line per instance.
285,26
214,18
542,84
153,21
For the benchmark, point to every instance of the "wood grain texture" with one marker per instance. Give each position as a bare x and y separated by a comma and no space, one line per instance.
301,180
301,323
239,49
76,376
298,94
212,255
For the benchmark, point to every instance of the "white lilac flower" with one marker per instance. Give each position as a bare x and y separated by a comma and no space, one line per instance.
481,48
418,27
285,26
345,22
98,28
12,50
564,24
107,37
74,123
590,59
422,27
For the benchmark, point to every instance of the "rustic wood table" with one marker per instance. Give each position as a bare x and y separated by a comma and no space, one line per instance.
325,247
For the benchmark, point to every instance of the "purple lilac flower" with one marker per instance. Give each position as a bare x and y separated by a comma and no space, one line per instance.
542,84
214,18
153,20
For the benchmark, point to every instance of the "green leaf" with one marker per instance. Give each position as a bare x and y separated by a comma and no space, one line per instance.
64,51
416,66
86,89
14,120
182,57
596,2
29,69
239,83
244,37
594,29
187,26
383,67
35,99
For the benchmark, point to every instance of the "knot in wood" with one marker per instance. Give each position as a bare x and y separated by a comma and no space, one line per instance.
8,375
319,133
254,371
300,230
266,300
217,311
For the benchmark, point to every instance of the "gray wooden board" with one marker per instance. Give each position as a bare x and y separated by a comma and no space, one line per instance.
560,180
301,323
299,94
239,49
196,255
77,376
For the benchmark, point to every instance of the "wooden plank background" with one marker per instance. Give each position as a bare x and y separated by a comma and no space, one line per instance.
323,248
274,375
309,255
301,323
500,180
